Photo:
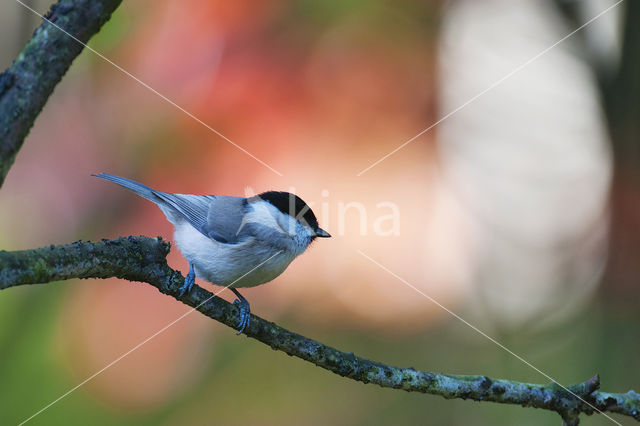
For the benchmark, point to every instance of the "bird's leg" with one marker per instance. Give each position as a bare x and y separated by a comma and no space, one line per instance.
188,281
245,311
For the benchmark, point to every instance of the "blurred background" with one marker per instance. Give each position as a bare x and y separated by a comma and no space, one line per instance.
519,211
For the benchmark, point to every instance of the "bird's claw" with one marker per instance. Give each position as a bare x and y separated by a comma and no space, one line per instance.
188,281
245,313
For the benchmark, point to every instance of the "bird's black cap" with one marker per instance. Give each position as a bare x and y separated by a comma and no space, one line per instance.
295,207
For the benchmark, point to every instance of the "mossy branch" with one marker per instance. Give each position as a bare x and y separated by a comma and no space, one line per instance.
27,84
144,259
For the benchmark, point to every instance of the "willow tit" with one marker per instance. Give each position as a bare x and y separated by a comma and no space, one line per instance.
234,241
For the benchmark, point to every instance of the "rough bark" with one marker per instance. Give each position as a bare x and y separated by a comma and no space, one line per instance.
27,84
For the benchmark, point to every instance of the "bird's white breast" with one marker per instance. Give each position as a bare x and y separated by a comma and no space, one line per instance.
246,264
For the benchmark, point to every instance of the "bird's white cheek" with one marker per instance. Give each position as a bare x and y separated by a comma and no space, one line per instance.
288,224
310,232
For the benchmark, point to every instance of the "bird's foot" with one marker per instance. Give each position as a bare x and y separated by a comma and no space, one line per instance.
245,311
188,281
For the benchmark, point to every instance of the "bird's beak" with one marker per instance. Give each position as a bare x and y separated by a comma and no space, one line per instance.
322,233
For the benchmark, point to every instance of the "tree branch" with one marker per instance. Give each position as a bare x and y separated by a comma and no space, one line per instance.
144,259
26,85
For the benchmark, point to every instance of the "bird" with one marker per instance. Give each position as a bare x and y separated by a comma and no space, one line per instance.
234,241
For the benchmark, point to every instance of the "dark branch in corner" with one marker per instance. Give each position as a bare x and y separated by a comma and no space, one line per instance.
26,85
144,259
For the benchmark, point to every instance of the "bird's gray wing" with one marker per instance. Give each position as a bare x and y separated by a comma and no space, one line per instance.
193,208
216,216
225,218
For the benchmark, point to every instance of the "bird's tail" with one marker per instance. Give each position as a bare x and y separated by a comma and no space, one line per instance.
140,189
